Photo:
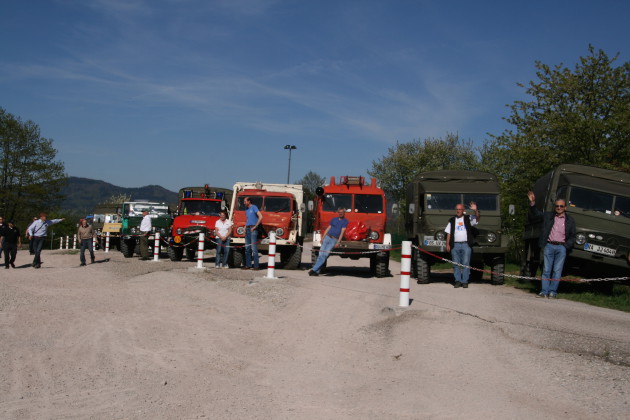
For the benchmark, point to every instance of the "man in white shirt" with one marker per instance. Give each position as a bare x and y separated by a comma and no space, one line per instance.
459,242
145,231
222,231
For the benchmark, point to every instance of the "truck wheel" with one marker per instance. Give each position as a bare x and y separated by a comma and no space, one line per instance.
191,254
291,257
498,268
236,258
381,267
127,248
423,269
175,254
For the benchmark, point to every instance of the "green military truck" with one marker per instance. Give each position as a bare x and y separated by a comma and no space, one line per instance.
431,200
107,219
161,221
599,201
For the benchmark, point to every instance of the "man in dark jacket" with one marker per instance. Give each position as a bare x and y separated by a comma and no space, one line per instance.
459,242
11,242
556,240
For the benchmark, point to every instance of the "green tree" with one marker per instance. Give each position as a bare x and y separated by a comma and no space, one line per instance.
30,177
310,182
404,161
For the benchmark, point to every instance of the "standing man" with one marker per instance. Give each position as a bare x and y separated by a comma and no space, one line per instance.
37,233
2,227
145,231
556,241
331,238
459,242
254,219
31,250
223,231
85,233
11,241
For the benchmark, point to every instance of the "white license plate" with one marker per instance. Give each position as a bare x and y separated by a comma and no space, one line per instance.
434,242
600,249
380,246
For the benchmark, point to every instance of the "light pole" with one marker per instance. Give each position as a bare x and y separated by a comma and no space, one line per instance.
289,147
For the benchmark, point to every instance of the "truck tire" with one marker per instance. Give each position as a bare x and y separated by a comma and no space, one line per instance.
381,264
498,268
127,248
236,258
175,253
423,269
191,254
291,257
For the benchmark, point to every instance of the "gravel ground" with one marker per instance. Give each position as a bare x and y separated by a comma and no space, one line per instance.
130,339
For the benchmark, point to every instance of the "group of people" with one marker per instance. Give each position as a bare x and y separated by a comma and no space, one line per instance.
556,241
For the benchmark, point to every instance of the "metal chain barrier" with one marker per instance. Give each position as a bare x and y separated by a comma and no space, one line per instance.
515,276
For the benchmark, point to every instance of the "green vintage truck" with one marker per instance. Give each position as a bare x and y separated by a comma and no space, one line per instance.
131,216
599,201
431,200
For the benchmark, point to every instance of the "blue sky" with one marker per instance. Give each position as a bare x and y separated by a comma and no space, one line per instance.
188,92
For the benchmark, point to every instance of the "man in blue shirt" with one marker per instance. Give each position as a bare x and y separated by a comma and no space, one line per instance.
254,219
37,233
332,236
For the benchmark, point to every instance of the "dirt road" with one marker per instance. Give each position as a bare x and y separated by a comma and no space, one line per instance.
130,339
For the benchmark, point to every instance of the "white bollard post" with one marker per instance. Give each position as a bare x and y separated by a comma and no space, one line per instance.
107,242
200,250
61,243
156,247
74,241
271,262
405,273
94,243
67,242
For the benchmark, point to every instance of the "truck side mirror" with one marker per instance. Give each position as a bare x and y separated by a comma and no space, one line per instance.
310,205
394,208
302,208
412,208
319,191
223,205
511,209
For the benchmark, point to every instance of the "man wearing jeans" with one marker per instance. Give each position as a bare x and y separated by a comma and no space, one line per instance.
254,219
37,233
556,240
331,237
459,242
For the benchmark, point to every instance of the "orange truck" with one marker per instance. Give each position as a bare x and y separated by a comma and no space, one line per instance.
366,211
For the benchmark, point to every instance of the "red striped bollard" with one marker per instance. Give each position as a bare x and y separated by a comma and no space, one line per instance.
107,242
156,247
200,250
405,273
74,241
271,262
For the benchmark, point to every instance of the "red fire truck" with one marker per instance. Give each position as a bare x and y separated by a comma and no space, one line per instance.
366,211
197,211
282,207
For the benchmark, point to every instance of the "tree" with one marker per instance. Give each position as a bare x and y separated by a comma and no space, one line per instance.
118,198
405,161
310,182
580,116
30,177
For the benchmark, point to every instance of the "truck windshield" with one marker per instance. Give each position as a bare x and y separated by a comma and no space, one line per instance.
443,201
201,207
599,201
368,203
334,201
277,204
255,199
486,202
136,209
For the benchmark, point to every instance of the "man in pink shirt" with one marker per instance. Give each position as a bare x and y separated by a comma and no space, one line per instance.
556,240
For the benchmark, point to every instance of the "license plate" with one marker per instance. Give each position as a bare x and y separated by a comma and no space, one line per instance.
434,242
380,246
600,249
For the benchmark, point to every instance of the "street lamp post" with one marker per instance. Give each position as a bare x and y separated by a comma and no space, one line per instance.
289,147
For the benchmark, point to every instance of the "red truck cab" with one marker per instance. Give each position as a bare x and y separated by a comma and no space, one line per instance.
366,211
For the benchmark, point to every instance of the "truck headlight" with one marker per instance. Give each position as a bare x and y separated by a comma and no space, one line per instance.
279,232
374,235
240,230
178,231
580,239
133,230
491,236
440,236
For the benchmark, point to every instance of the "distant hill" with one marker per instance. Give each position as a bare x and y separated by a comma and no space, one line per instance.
82,194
